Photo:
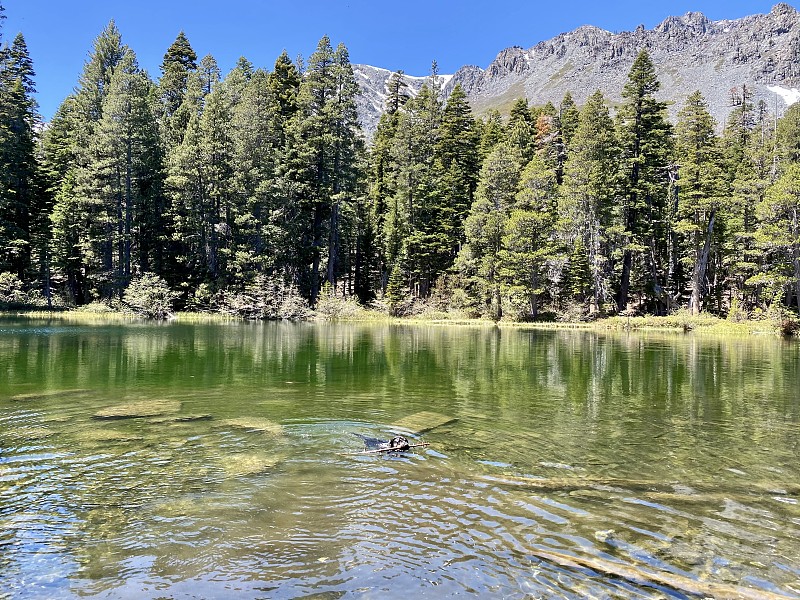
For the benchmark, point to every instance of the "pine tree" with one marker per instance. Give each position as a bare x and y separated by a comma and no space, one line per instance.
479,259
548,138
59,168
284,83
200,178
752,176
569,114
120,182
738,127
521,130
589,195
528,245
327,156
20,197
106,54
260,212
701,189
788,135
778,235
179,61
456,158
397,94
576,279
492,132
411,225
76,229
645,140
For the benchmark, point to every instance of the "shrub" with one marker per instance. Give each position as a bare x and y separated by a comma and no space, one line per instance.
737,313
574,312
789,327
265,298
332,307
149,296
12,293
96,307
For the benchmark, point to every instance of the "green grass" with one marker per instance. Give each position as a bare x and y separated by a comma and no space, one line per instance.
681,321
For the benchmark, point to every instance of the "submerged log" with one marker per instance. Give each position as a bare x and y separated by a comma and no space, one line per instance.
640,576
647,487
422,421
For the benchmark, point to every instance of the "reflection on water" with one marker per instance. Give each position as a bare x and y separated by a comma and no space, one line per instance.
150,461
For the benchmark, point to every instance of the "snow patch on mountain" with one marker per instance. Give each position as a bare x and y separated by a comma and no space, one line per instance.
789,95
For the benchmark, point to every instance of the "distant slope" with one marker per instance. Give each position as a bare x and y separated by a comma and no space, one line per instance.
690,53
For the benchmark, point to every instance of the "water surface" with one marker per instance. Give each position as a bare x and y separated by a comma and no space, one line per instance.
637,454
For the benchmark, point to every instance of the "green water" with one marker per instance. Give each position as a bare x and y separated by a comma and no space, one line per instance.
667,454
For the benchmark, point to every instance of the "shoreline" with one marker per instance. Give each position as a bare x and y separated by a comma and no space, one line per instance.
676,323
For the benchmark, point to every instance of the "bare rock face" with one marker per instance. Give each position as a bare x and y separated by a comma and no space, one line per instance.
511,61
690,53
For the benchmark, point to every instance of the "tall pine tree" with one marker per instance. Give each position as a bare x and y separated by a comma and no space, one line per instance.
645,140
701,190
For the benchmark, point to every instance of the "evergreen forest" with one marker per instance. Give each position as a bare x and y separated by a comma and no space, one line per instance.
256,193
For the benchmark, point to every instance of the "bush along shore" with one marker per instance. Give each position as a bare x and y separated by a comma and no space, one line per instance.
149,297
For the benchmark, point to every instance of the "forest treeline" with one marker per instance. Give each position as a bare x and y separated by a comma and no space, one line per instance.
257,193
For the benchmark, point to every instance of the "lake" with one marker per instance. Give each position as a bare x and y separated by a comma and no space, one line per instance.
144,460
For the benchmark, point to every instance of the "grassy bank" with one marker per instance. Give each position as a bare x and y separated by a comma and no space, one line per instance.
680,321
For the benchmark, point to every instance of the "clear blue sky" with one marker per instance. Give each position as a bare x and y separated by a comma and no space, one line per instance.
404,35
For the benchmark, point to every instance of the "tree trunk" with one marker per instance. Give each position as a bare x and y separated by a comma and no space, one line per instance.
128,215
796,255
534,298
625,280
699,275
627,256
333,243
316,244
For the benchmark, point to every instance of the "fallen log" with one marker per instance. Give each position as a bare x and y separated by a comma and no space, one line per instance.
645,486
652,578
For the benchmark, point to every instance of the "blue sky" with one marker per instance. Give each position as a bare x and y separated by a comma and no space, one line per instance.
404,35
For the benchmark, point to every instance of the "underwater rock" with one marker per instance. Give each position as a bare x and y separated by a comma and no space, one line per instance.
106,435
244,465
46,394
253,424
139,409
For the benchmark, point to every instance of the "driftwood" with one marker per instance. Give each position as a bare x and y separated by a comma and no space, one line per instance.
648,487
380,450
661,578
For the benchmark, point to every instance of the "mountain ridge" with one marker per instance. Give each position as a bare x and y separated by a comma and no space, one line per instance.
690,52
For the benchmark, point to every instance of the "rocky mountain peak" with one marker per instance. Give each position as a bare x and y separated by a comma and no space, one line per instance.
690,52
510,61
783,9
693,22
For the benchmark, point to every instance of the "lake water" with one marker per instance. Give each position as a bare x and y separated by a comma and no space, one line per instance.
210,461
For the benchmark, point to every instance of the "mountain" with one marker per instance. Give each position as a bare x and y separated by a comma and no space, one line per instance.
690,53
374,89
